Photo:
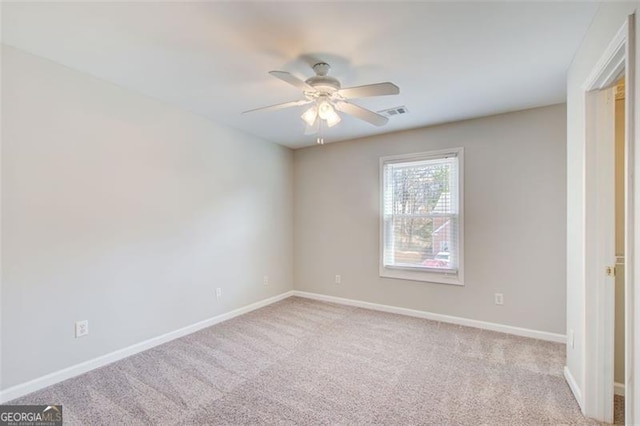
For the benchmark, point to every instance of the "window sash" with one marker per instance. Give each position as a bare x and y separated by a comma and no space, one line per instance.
389,260
452,211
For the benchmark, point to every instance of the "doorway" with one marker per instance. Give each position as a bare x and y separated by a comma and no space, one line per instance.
619,277
610,233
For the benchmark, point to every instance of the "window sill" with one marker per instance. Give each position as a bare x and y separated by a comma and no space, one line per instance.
424,276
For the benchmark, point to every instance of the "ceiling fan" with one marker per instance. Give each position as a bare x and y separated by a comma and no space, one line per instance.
326,98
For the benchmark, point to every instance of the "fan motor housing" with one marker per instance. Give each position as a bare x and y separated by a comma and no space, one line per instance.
323,83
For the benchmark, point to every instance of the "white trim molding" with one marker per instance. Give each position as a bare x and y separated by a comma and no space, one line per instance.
507,329
75,370
599,249
573,385
610,65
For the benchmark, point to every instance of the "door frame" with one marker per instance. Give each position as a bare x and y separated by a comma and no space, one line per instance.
618,58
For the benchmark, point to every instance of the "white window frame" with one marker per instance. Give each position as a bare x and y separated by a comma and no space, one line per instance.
418,274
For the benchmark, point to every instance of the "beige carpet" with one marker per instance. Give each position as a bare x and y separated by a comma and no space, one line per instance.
307,362
618,410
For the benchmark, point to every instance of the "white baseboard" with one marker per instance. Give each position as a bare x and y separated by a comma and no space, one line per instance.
618,388
573,385
525,332
50,379
75,370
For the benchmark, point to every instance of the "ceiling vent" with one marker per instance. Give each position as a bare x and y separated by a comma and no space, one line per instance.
392,112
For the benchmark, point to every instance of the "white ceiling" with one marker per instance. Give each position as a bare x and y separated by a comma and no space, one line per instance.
451,60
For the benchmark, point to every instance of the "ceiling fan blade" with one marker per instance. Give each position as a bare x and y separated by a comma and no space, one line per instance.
379,89
280,106
362,113
291,79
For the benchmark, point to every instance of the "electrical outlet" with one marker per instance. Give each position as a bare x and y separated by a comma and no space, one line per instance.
499,299
218,293
265,280
338,279
82,328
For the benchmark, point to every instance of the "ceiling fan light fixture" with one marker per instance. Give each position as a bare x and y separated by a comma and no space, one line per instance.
310,116
329,100
325,110
333,118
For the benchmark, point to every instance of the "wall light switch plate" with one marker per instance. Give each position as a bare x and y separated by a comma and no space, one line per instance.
499,299
338,279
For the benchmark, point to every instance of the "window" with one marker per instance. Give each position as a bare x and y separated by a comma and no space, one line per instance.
421,220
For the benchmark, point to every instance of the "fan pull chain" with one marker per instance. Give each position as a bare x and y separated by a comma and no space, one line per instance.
320,139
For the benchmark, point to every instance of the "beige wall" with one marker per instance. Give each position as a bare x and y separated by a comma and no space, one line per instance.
515,228
126,212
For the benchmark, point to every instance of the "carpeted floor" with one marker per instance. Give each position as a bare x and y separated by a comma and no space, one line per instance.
618,410
306,362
